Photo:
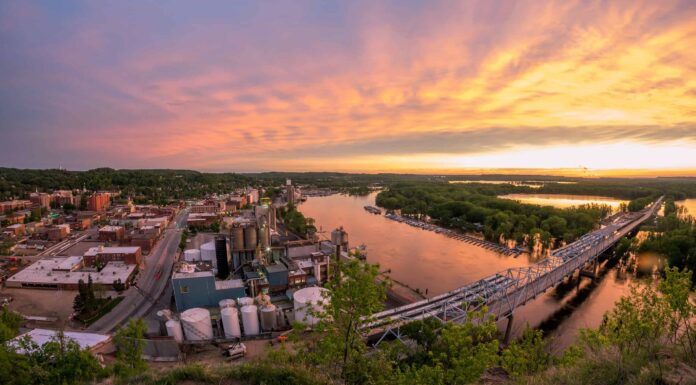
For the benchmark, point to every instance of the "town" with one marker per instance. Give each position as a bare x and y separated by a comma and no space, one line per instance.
217,269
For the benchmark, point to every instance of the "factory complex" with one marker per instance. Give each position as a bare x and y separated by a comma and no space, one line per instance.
254,277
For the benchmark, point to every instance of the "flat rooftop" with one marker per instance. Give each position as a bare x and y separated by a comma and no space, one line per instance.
41,336
44,272
112,250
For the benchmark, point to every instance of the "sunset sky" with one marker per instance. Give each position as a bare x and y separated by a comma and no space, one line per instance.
408,86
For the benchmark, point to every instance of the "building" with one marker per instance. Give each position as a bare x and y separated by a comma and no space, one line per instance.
144,239
62,197
13,205
290,189
200,288
236,202
83,223
94,343
40,199
112,233
57,233
17,229
65,273
98,202
252,196
204,208
131,255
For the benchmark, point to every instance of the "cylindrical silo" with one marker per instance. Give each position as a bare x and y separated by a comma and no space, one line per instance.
208,253
174,330
192,255
250,237
265,236
250,320
237,238
272,218
230,322
269,318
244,301
280,319
196,324
227,303
307,301
223,267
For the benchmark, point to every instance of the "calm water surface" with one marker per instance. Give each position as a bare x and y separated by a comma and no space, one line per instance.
689,204
564,201
431,261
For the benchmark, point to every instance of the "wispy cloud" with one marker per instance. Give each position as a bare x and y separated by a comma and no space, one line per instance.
249,85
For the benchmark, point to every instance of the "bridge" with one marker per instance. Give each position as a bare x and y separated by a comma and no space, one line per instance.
505,291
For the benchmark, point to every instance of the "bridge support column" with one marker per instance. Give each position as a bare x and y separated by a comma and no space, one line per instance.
508,329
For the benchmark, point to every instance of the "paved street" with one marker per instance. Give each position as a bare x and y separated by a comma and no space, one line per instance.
152,280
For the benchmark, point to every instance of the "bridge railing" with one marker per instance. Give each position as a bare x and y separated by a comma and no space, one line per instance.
503,296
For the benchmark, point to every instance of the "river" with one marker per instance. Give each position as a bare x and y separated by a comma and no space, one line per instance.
427,260
564,201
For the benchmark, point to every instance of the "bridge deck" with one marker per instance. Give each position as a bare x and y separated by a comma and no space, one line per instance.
503,292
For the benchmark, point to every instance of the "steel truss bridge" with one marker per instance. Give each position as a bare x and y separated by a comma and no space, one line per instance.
505,291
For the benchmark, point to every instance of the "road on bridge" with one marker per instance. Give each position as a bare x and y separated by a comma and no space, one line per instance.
152,280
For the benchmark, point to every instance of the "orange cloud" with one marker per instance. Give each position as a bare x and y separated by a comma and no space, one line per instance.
278,87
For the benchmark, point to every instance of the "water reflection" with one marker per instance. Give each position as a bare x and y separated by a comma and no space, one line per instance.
689,205
427,260
564,201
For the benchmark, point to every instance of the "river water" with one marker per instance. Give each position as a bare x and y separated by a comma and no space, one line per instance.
564,201
427,260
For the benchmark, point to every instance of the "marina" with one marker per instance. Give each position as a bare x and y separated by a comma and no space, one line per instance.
458,236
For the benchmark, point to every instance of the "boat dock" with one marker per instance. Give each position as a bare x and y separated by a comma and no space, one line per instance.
456,235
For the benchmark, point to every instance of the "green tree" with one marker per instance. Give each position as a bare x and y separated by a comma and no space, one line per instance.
340,346
130,343
527,355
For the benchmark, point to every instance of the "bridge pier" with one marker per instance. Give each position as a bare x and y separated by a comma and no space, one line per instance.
591,271
508,329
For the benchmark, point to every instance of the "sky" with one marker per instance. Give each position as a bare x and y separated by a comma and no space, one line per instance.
570,87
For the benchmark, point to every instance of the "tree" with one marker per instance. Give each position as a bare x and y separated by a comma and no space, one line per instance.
9,324
526,355
118,286
340,346
130,344
62,361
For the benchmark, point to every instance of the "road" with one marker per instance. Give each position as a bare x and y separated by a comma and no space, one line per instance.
152,280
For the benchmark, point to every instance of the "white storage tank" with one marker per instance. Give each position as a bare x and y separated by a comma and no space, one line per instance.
174,330
228,302
268,317
244,301
196,324
208,253
192,255
250,320
308,300
230,322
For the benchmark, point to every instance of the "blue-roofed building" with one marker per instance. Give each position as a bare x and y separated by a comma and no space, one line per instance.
201,289
277,275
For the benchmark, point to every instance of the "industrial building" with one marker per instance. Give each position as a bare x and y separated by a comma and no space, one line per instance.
64,273
195,288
